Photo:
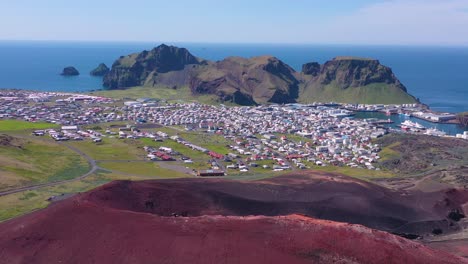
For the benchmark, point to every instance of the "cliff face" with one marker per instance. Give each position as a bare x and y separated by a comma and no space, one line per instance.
134,69
259,80
354,72
311,68
352,80
463,119
247,81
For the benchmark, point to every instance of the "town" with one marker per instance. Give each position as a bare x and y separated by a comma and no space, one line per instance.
267,137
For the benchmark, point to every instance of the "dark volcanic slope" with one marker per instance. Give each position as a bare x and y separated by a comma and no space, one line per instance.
337,198
257,80
415,154
263,79
125,222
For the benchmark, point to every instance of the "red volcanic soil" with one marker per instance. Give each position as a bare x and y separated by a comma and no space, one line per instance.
320,195
81,232
132,222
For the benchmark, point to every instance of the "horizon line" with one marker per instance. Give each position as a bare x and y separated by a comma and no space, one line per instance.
242,43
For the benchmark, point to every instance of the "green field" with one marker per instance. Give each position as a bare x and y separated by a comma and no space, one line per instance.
111,149
363,174
148,169
181,94
18,125
388,153
26,161
17,204
377,93
213,142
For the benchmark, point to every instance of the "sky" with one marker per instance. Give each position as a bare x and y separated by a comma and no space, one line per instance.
368,22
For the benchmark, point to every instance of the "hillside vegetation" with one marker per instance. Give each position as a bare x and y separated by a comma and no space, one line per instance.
31,161
258,80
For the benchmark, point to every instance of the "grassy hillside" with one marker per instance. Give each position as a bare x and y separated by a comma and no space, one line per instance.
379,93
370,94
31,161
417,154
17,204
162,93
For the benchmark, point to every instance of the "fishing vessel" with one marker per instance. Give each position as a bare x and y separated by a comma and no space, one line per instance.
435,132
410,125
404,114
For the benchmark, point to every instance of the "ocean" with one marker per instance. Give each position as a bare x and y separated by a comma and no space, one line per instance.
438,76
450,129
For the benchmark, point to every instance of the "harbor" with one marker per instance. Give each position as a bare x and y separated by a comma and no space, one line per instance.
398,119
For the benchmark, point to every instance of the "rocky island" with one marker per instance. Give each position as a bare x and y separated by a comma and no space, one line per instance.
260,80
100,70
70,71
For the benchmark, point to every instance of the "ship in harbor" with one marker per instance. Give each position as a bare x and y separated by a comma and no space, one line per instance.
434,132
413,126
404,114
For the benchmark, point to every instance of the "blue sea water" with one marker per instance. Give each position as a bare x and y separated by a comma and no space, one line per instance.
436,75
450,129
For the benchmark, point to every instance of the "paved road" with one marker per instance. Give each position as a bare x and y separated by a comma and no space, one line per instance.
91,162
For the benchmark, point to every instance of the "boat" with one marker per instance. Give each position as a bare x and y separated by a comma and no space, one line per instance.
410,125
404,114
435,132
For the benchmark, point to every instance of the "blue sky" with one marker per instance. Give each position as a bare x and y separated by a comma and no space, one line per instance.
383,22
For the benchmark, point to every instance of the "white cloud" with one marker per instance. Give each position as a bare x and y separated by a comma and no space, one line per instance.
427,22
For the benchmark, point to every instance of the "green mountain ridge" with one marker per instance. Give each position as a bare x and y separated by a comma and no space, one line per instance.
261,79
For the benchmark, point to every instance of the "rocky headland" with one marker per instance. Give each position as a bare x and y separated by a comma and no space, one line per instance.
100,70
259,80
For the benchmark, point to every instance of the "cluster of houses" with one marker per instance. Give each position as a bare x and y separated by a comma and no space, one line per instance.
57,108
290,136
321,135
70,133
168,154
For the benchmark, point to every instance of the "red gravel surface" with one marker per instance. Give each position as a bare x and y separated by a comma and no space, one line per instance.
81,232
132,222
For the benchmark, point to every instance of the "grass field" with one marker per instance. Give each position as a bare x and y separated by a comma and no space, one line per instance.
32,161
18,125
17,204
363,174
387,153
148,169
181,94
377,93
110,149
213,142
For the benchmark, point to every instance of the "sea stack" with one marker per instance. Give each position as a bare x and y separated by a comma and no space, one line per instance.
70,71
100,70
